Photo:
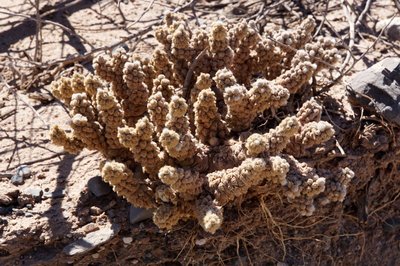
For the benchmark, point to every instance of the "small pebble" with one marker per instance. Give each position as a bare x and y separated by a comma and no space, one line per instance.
95,255
95,210
54,194
201,242
91,241
28,214
90,227
127,240
17,180
35,192
24,171
5,210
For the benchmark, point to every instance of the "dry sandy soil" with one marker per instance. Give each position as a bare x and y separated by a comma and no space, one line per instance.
29,61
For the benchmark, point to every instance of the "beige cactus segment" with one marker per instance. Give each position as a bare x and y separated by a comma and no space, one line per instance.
210,128
304,185
234,182
89,132
237,100
309,111
136,103
275,141
81,104
224,78
203,82
69,142
176,118
163,84
111,116
91,84
62,89
337,183
166,216
209,214
315,133
301,71
126,185
182,181
180,147
139,141
256,144
165,194
158,110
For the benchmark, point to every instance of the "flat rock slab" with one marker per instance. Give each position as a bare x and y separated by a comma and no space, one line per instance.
378,89
137,215
91,241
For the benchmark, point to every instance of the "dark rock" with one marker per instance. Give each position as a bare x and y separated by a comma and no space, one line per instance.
25,199
91,241
4,252
111,213
19,212
5,200
13,193
136,215
98,187
17,180
35,192
5,210
24,171
377,89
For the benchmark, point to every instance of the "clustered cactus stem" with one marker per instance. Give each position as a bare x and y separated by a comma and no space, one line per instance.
188,153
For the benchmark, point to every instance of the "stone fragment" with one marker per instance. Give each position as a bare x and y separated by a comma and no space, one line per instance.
136,215
377,89
90,227
95,210
54,194
17,180
24,171
91,241
98,187
127,240
34,192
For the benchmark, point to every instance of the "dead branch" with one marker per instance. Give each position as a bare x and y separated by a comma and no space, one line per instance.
363,13
350,20
37,19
